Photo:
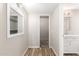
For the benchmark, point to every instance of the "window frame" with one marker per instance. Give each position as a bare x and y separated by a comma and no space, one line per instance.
18,10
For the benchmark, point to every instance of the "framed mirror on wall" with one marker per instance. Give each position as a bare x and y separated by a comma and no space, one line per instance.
15,21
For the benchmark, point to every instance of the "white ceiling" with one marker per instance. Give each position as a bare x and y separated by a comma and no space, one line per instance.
71,6
40,7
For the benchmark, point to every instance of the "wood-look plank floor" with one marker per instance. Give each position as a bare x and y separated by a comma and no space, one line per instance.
39,52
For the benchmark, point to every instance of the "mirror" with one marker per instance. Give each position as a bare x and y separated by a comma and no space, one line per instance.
67,21
15,21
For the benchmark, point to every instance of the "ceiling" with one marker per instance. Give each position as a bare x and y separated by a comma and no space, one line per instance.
40,7
71,6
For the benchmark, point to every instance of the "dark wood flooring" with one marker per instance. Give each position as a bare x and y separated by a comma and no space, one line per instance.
71,54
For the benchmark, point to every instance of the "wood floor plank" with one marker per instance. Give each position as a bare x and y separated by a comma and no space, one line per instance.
52,52
27,52
48,52
39,52
30,52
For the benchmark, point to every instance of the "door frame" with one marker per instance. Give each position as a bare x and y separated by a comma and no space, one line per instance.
49,27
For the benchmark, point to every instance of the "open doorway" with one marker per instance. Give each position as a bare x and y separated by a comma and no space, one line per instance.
44,31
71,30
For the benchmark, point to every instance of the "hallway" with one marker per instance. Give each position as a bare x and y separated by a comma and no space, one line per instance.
36,28
39,52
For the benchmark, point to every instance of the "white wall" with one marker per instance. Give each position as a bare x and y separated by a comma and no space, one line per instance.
34,29
14,45
56,30
74,29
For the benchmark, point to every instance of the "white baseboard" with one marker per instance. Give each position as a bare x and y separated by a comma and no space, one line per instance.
33,47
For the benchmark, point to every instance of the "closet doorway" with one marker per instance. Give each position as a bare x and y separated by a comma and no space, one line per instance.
44,31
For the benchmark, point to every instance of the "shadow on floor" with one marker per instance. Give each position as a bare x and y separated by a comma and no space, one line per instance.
71,54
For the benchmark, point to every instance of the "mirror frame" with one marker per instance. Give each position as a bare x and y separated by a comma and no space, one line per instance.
18,10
